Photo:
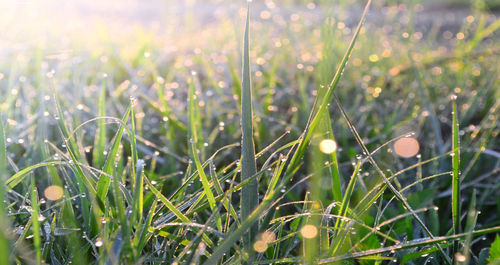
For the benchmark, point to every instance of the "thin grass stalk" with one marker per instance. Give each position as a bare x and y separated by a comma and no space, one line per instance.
455,195
37,241
100,137
4,243
194,119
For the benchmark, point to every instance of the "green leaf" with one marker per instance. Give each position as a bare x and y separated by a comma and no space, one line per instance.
495,250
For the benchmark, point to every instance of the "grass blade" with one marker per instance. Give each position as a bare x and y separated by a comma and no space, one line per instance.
455,196
104,181
37,242
4,243
249,193
100,137
194,121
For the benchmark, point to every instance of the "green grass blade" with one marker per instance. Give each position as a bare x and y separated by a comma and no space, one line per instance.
104,181
4,243
194,134
21,174
37,242
249,193
85,185
137,175
100,136
334,167
455,196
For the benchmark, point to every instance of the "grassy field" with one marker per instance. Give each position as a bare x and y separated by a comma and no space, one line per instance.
282,132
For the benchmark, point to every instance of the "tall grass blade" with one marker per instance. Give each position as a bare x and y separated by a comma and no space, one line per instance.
249,193
4,243
37,241
194,128
100,137
104,181
455,196
85,185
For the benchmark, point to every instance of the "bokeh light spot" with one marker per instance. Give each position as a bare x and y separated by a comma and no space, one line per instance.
53,192
459,257
260,246
406,147
268,236
309,231
327,146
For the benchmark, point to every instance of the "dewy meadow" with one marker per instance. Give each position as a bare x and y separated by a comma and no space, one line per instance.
261,132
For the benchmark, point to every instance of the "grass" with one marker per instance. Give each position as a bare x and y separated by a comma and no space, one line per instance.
250,192
166,151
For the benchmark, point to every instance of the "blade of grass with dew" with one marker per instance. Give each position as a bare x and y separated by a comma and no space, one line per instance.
144,236
170,119
334,166
194,133
469,226
455,196
313,243
387,182
226,202
85,185
100,136
124,232
339,224
104,181
37,242
21,174
4,243
310,241
249,193
137,175
418,254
